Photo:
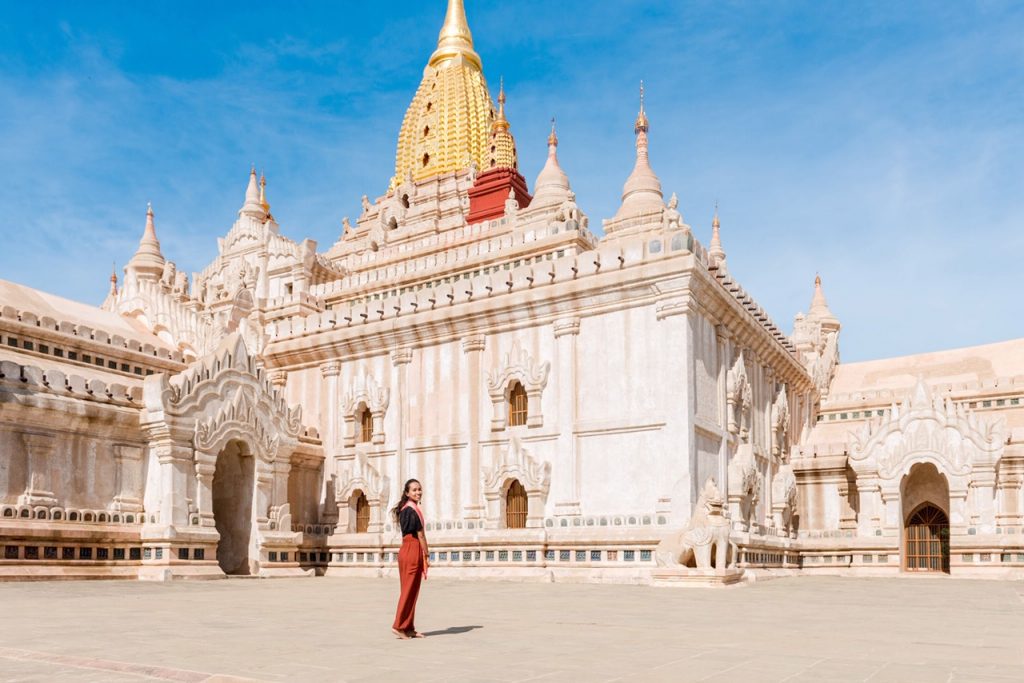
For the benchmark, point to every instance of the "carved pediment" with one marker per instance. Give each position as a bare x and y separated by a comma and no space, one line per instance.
360,475
515,462
518,364
784,489
738,397
238,418
926,428
365,390
224,395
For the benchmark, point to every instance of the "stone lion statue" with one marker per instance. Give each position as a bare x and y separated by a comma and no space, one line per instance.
707,529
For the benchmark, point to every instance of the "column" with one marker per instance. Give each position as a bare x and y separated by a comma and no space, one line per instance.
1008,493
206,465
278,379
472,349
768,434
127,478
869,515
724,338
567,331
329,411
38,452
174,461
675,314
400,359
983,481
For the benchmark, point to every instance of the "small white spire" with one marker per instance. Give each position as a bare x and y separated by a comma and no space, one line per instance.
819,309
253,207
552,184
642,190
148,261
715,251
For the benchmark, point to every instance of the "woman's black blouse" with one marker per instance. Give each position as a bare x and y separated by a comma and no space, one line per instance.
410,522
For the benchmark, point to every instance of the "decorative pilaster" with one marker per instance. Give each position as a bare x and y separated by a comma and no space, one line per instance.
329,415
127,478
174,461
566,332
278,378
206,466
1008,495
869,505
983,483
400,360
39,450
723,338
472,348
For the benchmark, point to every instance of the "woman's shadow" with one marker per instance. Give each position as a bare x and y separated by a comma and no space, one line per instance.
452,630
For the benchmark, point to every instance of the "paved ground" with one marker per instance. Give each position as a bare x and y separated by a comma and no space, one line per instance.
797,629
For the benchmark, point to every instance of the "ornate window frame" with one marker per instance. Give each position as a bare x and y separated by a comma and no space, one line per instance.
365,392
360,475
516,463
517,365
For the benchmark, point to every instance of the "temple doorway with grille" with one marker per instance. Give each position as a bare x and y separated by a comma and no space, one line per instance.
925,502
926,541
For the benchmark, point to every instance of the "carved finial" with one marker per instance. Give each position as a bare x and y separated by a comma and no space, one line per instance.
253,205
716,253
501,122
641,118
455,39
263,193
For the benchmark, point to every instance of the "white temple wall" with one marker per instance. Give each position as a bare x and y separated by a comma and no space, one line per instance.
634,391
74,458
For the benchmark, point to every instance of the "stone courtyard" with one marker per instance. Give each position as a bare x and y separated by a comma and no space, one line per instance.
794,629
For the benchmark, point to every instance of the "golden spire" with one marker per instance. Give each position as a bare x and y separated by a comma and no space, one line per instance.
501,123
447,127
263,193
455,39
641,118
113,279
553,139
503,145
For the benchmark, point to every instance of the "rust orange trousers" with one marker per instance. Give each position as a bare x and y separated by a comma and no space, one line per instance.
410,571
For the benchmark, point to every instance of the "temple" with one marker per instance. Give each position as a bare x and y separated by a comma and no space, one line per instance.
579,405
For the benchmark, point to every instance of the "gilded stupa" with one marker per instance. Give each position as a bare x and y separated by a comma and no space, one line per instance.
447,127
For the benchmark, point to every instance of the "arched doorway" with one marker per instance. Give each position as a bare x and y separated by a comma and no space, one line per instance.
925,500
233,482
926,540
362,507
515,506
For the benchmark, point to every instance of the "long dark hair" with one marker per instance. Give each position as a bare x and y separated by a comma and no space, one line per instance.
405,497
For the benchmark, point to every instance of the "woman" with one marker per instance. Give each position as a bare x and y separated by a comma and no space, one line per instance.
412,558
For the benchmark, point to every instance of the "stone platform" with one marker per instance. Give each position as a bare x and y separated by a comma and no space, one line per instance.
695,578
789,629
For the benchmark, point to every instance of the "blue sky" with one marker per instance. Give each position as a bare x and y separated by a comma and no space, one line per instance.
880,144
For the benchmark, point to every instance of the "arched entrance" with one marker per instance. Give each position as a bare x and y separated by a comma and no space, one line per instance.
926,540
233,483
925,498
516,506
